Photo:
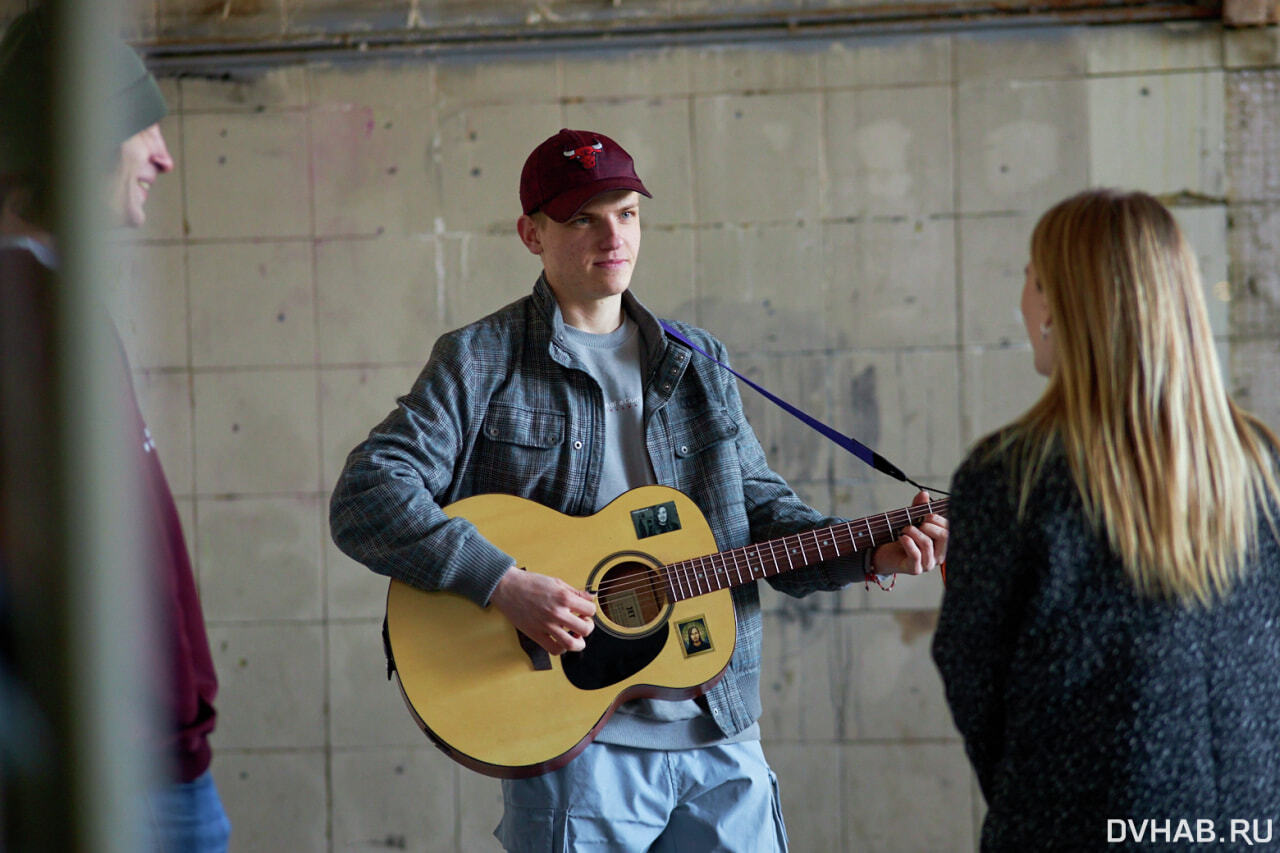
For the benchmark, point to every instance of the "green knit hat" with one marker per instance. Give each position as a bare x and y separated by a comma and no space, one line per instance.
26,92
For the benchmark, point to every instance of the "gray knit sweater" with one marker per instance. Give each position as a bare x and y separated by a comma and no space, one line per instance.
1086,709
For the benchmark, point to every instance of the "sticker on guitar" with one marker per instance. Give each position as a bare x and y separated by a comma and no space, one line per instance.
694,635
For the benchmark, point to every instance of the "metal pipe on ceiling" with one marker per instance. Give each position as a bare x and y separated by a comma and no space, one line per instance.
346,39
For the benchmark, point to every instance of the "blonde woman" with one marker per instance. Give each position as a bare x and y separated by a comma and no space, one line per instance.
1110,631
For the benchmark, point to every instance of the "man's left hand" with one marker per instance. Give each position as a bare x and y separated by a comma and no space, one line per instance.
919,548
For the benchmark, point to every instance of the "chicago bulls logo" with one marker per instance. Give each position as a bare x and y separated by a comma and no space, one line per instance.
586,155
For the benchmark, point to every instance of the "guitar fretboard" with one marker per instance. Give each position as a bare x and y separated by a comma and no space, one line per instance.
726,569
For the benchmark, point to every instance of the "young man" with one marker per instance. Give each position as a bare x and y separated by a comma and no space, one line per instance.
186,814
570,397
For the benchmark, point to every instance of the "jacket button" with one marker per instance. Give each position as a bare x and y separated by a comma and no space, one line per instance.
666,386
577,445
684,448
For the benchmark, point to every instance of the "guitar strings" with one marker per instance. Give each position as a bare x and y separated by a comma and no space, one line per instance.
692,577
689,578
691,572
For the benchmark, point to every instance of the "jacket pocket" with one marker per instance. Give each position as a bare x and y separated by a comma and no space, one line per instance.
523,452
539,429
707,429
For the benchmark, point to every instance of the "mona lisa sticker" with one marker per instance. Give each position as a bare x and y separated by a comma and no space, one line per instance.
694,636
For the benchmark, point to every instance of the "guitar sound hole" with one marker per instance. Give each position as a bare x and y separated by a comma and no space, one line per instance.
631,595
632,611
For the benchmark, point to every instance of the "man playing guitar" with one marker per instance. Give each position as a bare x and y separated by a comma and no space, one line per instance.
571,397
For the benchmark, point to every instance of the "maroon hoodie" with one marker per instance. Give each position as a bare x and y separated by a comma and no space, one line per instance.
192,683
25,306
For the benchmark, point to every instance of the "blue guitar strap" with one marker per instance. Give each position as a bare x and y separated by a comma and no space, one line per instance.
857,448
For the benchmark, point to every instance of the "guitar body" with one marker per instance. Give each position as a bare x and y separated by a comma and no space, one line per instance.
505,708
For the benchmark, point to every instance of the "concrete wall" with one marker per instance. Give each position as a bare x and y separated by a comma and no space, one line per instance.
850,217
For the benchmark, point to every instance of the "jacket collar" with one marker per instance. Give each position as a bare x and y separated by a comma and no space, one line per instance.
655,341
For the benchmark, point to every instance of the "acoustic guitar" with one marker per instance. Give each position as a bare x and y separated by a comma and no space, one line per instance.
497,703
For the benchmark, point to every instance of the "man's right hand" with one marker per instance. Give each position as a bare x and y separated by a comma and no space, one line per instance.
547,610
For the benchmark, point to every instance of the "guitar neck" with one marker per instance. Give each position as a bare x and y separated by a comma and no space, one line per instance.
726,569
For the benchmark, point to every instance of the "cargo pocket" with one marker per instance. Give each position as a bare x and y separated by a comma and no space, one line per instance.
779,825
532,830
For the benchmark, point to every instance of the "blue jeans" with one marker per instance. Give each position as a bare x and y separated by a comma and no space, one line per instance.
187,817
616,798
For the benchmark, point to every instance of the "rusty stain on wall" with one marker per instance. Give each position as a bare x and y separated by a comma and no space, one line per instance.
914,624
227,8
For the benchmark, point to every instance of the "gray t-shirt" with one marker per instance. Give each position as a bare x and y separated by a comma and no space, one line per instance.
613,360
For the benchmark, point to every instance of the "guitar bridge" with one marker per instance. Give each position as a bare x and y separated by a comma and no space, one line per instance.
538,656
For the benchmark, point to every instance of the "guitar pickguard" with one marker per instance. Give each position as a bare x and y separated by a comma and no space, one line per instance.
608,659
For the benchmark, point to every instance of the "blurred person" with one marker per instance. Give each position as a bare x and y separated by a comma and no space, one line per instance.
186,814
1109,637
570,397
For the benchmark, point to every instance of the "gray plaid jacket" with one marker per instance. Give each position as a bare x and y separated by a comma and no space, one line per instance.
501,407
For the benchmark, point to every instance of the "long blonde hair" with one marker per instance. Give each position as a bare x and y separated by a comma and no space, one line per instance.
1169,468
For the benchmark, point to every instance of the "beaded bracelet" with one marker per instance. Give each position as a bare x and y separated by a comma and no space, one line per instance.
872,576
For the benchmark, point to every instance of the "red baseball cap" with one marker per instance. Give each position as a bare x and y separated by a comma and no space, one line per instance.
571,168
